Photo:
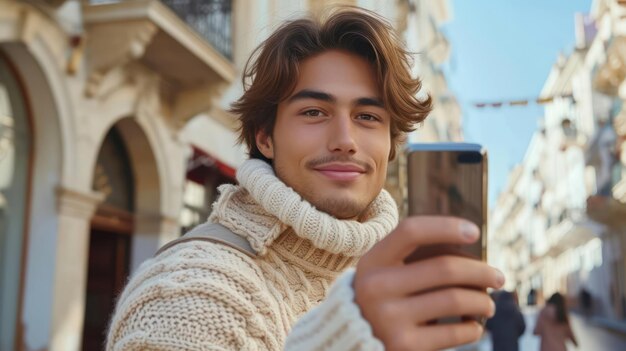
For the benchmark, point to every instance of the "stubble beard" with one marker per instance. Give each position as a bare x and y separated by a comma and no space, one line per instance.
339,208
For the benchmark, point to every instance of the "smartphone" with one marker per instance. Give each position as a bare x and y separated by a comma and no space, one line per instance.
449,179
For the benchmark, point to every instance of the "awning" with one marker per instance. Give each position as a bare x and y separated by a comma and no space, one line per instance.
201,164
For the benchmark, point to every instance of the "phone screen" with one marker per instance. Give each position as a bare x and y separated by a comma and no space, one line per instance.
449,179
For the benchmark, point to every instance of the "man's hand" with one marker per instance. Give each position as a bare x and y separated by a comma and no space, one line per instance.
399,299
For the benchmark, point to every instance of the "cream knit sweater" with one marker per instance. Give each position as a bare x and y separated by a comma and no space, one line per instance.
206,296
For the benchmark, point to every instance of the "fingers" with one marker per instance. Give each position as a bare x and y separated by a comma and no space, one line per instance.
410,294
418,231
439,337
453,302
436,337
438,272
420,309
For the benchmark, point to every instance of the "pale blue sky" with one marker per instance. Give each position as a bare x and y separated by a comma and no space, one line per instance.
504,50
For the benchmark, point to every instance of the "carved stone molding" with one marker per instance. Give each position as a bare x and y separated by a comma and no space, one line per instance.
147,83
189,103
111,46
76,203
187,73
32,26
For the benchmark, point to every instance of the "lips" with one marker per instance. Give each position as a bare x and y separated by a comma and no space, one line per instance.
341,172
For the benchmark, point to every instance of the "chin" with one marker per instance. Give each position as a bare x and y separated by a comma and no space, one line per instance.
341,208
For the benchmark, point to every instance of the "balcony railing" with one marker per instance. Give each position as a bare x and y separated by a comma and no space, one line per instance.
209,18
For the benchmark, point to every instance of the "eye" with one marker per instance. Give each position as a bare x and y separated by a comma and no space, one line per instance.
367,117
313,113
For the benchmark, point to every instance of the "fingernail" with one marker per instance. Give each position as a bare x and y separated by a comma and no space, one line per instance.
469,230
499,278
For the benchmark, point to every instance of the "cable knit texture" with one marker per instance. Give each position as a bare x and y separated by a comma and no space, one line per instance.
206,296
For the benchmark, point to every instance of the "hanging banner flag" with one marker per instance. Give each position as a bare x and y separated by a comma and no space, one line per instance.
519,103
539,101
546,100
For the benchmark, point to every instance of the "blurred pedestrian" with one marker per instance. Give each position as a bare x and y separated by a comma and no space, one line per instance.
586,302
553,325
507,325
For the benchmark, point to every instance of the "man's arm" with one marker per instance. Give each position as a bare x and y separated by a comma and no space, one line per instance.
384,304
413,294
334,325
205,306
196,296
388,304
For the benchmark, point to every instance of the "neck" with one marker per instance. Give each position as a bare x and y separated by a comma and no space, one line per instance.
263,208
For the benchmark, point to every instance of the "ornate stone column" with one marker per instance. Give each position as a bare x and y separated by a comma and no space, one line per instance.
75,210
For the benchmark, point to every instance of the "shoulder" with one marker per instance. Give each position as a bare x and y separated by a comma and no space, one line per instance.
199,269
187,289
197,259
205,250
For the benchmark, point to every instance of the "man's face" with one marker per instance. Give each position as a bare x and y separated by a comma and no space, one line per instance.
331,140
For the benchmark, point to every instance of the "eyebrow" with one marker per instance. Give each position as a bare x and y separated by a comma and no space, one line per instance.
312,94
368,101
319,95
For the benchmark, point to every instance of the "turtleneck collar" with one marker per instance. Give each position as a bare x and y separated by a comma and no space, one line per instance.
263,207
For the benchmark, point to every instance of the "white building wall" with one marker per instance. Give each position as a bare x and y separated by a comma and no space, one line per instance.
569,251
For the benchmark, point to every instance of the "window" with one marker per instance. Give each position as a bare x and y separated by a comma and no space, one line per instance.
15,145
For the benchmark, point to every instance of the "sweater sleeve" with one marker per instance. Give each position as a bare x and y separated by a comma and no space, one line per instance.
204,297
335,324
194,297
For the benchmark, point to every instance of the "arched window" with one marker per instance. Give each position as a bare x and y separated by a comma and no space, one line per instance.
15,148
110,237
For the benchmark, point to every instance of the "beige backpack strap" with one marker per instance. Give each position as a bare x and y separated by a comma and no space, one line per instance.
213,232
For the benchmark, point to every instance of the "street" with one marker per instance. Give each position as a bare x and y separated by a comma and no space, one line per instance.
590,337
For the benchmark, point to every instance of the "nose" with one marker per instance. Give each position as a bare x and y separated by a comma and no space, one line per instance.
342,138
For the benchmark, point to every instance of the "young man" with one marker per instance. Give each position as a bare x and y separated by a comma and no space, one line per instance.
325,104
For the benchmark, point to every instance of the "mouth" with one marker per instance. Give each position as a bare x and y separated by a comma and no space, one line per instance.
341,171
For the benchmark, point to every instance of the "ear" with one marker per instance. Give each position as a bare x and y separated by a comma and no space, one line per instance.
264,144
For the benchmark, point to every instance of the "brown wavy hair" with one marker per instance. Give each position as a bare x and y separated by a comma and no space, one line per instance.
271,73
